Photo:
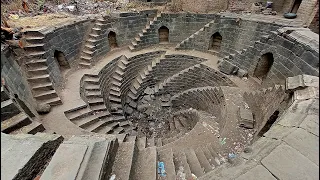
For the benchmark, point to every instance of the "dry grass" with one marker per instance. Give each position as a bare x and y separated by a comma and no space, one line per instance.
175,6
41,20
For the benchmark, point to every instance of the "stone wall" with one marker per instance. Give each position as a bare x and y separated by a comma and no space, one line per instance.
294,54
15,79
236,35
314,25
180,25
125,25
67,39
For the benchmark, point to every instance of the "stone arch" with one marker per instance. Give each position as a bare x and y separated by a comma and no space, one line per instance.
112,38
263,66
163,32
215,42
61,59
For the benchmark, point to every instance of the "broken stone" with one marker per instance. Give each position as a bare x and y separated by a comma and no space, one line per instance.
43,108
228,68
165,97
152,97
301,81
128,110
149,91
242,73
148,111
133,104
147,98
142,107
306,93
246,118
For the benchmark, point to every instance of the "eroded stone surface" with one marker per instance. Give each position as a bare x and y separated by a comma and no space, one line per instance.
287,163
258,172
306,143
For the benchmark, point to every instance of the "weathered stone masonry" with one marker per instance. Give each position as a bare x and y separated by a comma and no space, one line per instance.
15,79
67,39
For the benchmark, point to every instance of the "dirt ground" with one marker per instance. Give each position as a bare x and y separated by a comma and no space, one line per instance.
38,21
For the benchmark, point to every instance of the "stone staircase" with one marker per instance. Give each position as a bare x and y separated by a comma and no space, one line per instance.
83,157
139,41
116,80
198,75
104,123
37,74
25,156
137,85
232,62
92,46
187,43
152,74
13,120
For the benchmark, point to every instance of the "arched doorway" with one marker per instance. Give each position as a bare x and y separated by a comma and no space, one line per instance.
295,6
163,34
61,59
264,65
112,40
215,42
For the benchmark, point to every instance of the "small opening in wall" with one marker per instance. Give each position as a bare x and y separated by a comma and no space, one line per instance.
295,6
62,61
112,40
264,65
269,123
215,42
148,0
163,34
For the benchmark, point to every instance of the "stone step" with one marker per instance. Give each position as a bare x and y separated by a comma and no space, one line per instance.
93,93
82,158
203,160
215,155
4,95
78,112
16,122
92,87
166,156
86,121
45,95
150,142
124,160
193,162
145,166
8,109
96,125
209,156
106,129
32,128
97,107
118,130
35,63
20,151
158,142
178,125
95,100
42,86
181,165
40,79
37,71
52,101
141,143
121,137
85,65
